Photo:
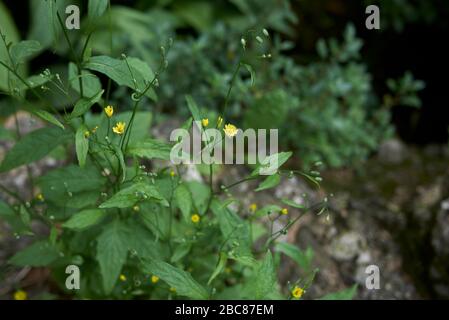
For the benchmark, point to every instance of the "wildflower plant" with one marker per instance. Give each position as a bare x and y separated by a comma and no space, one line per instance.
136,229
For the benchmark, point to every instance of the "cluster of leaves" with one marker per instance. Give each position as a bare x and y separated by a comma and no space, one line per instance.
135,229
327,107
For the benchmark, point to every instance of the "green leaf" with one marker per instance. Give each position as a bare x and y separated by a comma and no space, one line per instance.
121,158
150,149
303,259
91,83
84,219
13,219
200,195
184,201
269,182
130,196
84,104
72,186
219,268
24,50
191,104
270,209
265,278
96,8
347,294
39,254
40,141
180,252
112,250
176,278
82,145
44,115
293,204
12,35
119,72
251,72
271,164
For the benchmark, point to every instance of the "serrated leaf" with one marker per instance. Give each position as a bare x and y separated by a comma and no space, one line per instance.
176,278
84,219
82,145
269,182
41,141
150,149
112,251
84,104
184,201
128,197
39,254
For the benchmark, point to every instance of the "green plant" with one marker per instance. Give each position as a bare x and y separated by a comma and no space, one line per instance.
136,229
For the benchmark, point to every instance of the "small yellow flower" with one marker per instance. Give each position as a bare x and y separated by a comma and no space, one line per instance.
284,211
205,122
253,207
154,279
219,121
230,130
136,208
172,173
94,130
86,134
109,110
20,295
297,292
119,128
195,218
122,278
172,289
40,197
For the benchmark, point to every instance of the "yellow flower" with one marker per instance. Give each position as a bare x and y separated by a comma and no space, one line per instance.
136,208
297,292
219,121
253,207
20,295
230,130
109,110
284,211
86,134
122,277
172,289
205,122
40,197
195,218
119,128
172,173
154,279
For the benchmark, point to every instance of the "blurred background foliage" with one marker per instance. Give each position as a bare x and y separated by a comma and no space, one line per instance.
327,87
